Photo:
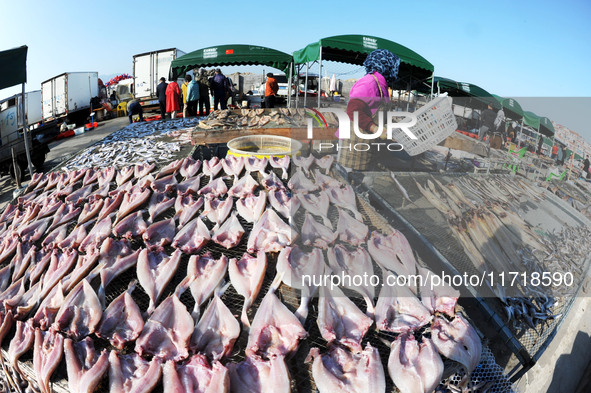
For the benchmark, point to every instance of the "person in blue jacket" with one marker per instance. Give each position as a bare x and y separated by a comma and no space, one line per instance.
219,86
192,96
161,93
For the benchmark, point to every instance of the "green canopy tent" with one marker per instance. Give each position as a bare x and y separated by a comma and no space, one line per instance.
353,49
232,55
13,71
546,127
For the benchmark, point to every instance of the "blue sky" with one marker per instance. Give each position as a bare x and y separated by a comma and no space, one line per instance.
510,48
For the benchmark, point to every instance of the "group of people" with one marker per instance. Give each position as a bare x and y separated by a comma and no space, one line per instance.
192,97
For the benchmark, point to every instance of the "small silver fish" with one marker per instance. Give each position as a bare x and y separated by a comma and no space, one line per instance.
400,187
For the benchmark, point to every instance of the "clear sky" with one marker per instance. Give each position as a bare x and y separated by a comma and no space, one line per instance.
513,48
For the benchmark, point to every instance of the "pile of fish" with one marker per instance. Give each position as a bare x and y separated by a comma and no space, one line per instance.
155,141
577,194
255,118
73,233
496,239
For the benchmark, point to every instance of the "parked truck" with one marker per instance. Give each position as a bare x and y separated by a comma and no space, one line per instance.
11,132
148,68
69,95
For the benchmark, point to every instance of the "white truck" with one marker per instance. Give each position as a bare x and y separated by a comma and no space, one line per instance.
69,94
148,68
11,131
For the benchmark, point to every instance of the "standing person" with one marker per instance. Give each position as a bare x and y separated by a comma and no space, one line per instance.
554,151
488,119
134,108
173,97
586,167
203,93
367,97
192,97
184,94
161,93
559,156
271,89
219,85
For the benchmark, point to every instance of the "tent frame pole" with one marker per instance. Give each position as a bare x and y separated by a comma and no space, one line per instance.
306,84
290,82
319,76
297,86
25,133
432,85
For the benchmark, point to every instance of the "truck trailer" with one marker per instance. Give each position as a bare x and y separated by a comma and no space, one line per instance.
69,95
148,68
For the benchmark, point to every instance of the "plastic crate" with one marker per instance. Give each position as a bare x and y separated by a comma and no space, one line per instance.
435,122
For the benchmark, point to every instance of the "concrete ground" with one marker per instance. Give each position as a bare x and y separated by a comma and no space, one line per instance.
62,150
563,368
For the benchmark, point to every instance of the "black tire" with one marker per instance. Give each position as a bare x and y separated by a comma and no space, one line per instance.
38,160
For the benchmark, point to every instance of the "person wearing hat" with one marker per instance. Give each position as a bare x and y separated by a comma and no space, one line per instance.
219,85
203,81
161,93
368,96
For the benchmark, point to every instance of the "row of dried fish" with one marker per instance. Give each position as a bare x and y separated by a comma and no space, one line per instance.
497,239
168,338
252,118
137,143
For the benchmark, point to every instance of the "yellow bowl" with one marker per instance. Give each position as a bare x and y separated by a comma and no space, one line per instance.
263,146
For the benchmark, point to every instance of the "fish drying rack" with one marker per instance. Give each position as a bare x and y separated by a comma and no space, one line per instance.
300,370
428,232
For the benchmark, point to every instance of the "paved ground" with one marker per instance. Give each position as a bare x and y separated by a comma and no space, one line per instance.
62,150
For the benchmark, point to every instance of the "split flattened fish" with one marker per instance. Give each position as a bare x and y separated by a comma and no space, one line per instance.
80,313
196,375
300,184
154,272
159,203
89,210
285,204
167,332
159,234
122,321
350,230
355,263
325,162
98,233
442,298
171,168
21,342
414,367
275,331
111,205
246,276
46,356
243,187
131,226
457,340
340,320
270,234
340,370
293,265
189,186
318,205
132,200
124,174
49,307
141,170
257,375
132,374
189,167
217,210
192,237
398,310
214,189
303,162
271,182
251,207
59,265
216,331
344,197
212,167
229,234
233,166
326,182
85,367
186,207
315,234
204,274
392,252
281,163
254,164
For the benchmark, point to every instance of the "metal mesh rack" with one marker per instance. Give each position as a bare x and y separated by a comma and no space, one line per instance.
300,370
516,347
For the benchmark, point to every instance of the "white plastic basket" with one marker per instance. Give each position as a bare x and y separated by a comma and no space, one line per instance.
435,122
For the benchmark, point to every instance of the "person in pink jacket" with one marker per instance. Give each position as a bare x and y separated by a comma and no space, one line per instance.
173,96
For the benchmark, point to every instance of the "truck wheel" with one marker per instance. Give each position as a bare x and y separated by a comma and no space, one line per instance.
19,172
